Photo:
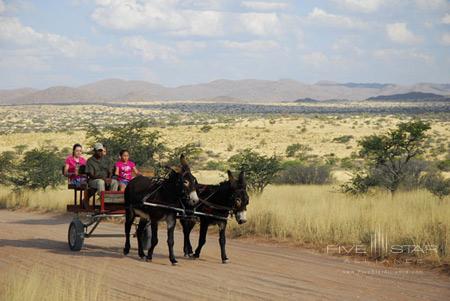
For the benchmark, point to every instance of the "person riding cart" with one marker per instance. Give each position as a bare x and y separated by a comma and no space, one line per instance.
99,171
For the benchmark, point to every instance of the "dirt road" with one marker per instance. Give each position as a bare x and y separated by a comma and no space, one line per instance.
256,270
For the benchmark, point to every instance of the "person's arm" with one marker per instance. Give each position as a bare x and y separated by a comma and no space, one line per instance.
116,170
66,170
136,171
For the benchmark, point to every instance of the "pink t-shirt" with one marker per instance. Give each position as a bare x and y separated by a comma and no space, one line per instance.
72,162
125,170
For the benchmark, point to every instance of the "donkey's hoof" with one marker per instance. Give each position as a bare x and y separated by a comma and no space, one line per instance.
126,251
174,262
148,259
226,260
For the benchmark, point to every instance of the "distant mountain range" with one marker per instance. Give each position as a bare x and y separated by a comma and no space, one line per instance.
411,96
248,90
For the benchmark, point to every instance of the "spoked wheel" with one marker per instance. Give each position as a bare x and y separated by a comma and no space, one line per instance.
76,235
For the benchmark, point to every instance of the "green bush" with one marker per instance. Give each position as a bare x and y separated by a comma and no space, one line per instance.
215,165
297,150
297,172
142,143
343,139
260,170
436,184
38,168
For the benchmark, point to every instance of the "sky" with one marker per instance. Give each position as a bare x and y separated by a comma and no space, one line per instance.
177,42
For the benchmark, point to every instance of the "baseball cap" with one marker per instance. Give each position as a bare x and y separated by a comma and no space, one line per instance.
98,146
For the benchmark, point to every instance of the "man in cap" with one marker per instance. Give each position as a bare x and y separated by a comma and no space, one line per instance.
99,171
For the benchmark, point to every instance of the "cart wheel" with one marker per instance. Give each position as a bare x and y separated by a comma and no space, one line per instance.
76,235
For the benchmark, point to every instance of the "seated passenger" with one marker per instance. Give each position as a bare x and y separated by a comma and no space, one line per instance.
99,172
72,166
124,169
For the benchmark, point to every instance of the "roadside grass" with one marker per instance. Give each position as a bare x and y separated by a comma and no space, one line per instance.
50,200
319,216
44,284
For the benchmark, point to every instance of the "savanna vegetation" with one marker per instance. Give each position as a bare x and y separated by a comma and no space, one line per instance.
315,179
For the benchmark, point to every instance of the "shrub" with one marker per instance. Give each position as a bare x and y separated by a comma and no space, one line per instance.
343,139
296,172
260,170
39,168
206,128
389,155
191,150
444,165
297,150
136,137
436,184
215,165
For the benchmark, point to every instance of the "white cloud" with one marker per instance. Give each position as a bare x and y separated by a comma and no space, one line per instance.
399,54
260,23
445,39
15,34
260,5
446,19
148,50
399,33
174,18
432,4
252,46
347,45
2,6
187,47
365,6
319,16
315,58
204,4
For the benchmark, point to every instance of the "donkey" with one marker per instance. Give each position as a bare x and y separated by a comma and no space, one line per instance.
180,186
220,200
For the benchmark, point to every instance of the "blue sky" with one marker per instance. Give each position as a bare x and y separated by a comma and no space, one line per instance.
176,42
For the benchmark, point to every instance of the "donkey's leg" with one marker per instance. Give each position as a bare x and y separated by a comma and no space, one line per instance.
154,226
129,219
188,225
140,236
202,237
171,222
222,241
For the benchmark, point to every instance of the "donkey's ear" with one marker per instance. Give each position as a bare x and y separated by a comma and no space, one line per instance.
183,160
242,180
231,179
230,176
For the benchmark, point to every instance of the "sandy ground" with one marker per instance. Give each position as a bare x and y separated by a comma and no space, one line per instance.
256,270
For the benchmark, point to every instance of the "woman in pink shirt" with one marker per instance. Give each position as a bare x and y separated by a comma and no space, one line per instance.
124,169
73,164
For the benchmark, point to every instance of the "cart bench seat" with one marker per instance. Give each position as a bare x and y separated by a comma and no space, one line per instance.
111,202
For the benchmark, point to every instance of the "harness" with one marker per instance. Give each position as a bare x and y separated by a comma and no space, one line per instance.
187,212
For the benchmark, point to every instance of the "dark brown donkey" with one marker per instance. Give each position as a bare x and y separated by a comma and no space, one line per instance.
176,190
219,200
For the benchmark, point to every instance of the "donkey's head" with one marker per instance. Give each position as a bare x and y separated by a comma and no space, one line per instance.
185,181
239,196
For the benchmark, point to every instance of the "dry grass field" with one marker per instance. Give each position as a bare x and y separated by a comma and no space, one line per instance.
43,284
269,134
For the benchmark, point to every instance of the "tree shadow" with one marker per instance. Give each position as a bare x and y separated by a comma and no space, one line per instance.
55,220
60,247
88,250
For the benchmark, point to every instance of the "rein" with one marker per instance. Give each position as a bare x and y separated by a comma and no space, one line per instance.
212,205
146,197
